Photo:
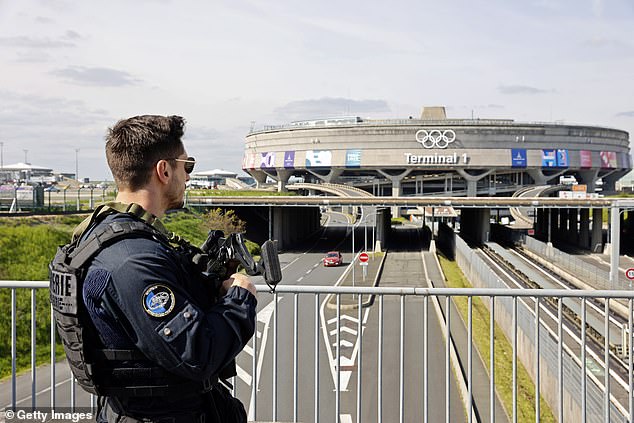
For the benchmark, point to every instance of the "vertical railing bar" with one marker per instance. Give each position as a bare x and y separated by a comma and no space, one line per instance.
33,351
401,413
583,360
338,384
492,358
72,392
606,360
254,373
469,359
380,364
52,360
295,348
537,357
560,352
316,411
630,360
360,355
514,360
13,348
275,356
447,361
234,386
426,359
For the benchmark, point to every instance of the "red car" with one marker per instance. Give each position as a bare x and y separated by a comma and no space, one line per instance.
333,258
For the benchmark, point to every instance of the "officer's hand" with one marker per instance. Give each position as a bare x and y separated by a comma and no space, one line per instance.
241,280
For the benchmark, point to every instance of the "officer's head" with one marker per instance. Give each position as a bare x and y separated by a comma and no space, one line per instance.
134,146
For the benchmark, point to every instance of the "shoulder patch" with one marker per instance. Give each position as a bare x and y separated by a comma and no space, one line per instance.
158,301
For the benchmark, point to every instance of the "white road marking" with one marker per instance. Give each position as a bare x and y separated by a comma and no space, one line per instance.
308,271
242,374
300,279
344,343
344,317
343,329
345,418
248,349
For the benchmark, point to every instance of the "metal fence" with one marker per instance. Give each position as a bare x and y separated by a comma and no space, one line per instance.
589,273
586,398
344,354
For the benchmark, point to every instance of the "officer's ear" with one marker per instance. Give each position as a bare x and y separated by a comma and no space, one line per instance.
163,171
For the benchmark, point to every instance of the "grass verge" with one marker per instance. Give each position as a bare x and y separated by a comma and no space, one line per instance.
503,352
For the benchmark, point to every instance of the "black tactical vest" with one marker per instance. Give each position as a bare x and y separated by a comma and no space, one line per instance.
100,371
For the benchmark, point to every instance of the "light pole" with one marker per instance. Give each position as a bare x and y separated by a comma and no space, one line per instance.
2,161
77,164
25,153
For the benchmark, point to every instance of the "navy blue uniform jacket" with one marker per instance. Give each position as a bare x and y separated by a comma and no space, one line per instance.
142,293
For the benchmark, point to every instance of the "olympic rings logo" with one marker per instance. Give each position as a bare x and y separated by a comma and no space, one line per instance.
435,138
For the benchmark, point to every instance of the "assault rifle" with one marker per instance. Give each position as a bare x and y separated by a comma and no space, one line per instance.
221,256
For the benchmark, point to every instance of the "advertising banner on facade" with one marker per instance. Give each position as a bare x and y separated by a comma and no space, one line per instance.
318,158
289,159
562,158
353,158
549,158
608,159
248,161
585,159
518,157
267,160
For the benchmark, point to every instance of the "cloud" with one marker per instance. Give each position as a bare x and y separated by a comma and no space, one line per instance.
102,77
72,35
43,20
521,89
329,106
32,42
626,114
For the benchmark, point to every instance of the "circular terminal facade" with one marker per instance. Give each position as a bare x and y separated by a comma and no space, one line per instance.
436,155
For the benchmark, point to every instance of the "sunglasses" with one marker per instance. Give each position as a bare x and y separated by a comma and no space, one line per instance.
190,162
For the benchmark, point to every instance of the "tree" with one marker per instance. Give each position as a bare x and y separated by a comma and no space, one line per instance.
226,221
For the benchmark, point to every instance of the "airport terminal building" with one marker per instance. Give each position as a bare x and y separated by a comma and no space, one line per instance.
434,155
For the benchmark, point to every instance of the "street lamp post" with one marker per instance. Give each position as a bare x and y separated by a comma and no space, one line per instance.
77,164
25,155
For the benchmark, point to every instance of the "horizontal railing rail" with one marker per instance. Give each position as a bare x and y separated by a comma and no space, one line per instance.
324,353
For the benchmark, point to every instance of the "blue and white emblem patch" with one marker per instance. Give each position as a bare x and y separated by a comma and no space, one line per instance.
158,301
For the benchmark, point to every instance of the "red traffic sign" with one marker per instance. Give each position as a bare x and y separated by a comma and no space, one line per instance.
363,258
629,273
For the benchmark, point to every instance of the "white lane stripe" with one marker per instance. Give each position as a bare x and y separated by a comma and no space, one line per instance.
345,418
248,349
300,279
57,385
308,271
343,317
316,264
344,329
242,374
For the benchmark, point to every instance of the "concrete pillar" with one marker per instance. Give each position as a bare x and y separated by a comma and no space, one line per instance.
282,179
259,176
562,230
554,224
472,188
541,223
584,228
596,242
396,187
573,225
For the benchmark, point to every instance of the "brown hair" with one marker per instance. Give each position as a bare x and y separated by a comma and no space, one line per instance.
135,145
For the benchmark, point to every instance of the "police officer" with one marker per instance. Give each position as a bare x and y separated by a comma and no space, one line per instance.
162,339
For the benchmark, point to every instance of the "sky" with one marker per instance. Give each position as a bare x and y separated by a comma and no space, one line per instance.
70,69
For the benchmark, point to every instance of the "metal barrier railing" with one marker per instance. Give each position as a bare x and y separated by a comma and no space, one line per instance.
369,354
